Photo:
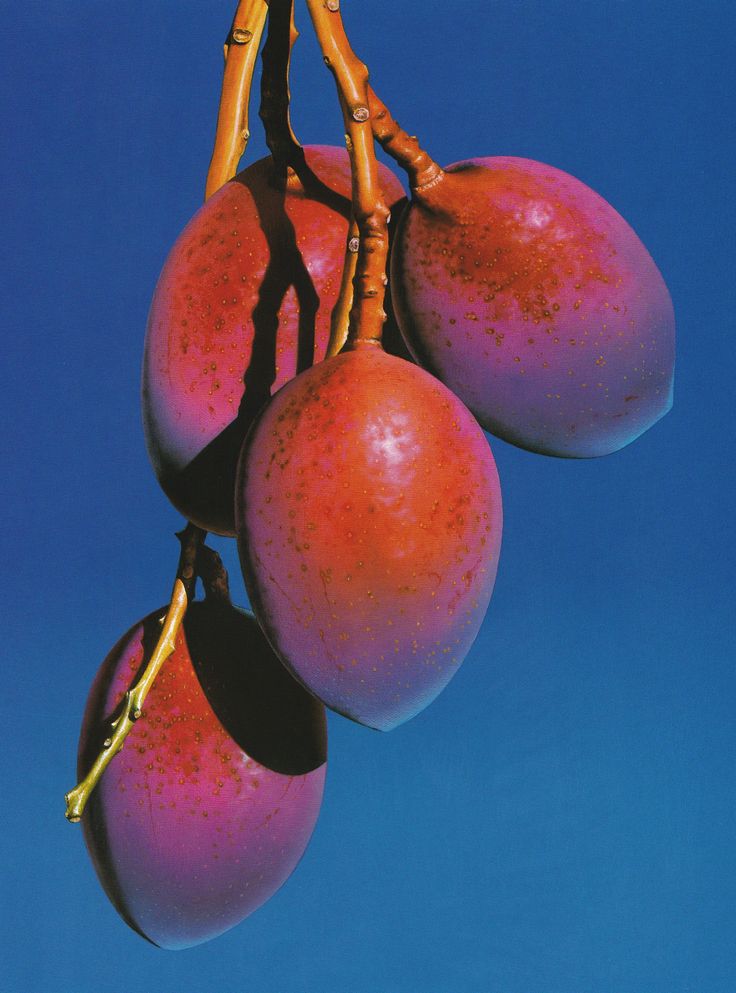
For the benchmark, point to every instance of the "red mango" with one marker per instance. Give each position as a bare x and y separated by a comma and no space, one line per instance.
534,301
211,802
369,528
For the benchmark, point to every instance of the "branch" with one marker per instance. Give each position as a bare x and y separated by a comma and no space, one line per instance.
369,208
340,319
403,148
213,575
232,134
132,704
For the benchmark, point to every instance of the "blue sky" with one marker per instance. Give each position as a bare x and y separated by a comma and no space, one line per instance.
561,820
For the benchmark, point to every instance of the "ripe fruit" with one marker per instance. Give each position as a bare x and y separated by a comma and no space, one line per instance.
534,301
209,806
369,526
243,303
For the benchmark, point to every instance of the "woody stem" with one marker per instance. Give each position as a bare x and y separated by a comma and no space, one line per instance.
369,207
232,134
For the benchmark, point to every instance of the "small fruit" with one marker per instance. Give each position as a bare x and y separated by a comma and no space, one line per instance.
369,527
212,800
534,301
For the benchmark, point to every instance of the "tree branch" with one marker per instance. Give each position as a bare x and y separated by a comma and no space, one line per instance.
403,148
232,134
369,208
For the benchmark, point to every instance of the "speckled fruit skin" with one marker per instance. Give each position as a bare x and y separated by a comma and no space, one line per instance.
188,831
537,304
369,527
243,303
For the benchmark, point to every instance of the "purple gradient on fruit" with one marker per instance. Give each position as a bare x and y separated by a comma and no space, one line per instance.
243,303
369,526
535,302
187,831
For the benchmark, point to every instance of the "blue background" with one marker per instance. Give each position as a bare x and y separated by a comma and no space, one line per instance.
561,820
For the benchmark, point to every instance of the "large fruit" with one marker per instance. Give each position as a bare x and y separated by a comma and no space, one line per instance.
243,303
211,803
534,301
369,527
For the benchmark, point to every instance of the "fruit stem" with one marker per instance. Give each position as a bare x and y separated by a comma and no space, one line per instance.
369,208
340,318
422,170
213,575
275,95
131,707
232,134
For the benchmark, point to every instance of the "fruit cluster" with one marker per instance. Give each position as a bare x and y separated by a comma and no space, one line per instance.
359,483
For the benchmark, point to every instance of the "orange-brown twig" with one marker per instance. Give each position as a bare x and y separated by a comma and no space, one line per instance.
369,208
403,148
241,51
340,318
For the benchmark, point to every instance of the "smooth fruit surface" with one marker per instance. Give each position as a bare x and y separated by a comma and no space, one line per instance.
533,300
369,526
243,303
211,802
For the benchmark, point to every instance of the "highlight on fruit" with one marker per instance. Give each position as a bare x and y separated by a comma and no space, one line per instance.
332,422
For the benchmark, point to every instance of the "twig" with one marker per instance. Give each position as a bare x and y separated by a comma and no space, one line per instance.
340,319
232,134
369,208
403,148
132,703
213,574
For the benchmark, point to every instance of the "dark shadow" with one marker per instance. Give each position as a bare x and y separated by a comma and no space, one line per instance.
268,714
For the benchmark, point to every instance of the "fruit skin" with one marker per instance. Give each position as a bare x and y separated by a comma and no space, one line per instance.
188,831
369,526
243,303
534,301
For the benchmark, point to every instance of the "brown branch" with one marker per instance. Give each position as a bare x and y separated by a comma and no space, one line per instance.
131,708
191,542
403,148
369,208
241,51
213,574
340,318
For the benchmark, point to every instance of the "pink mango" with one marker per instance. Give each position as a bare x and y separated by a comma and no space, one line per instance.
369,528
211,802
537,304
